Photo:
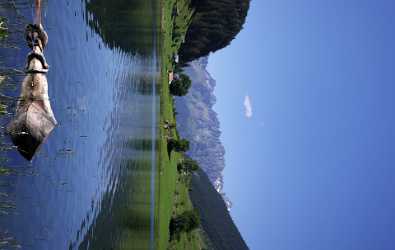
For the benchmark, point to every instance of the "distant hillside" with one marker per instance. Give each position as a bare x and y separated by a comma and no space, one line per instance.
214,25
198,122
216,220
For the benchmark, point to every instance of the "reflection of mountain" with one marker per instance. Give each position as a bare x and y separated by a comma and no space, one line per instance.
198,122
217,223
133,32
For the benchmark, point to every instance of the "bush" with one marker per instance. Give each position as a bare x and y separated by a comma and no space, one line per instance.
187,166
186,222
181,145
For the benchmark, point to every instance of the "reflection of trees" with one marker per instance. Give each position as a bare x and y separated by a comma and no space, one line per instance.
142,144
124,24
124,214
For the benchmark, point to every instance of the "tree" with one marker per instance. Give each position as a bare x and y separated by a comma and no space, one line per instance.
180,87
187,166
180,145
186,222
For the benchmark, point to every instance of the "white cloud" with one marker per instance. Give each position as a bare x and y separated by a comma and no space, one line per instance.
247,106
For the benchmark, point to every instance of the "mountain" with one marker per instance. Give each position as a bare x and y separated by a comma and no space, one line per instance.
198,122
217,223
214,24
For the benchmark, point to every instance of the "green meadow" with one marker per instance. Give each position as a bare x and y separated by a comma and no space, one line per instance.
173,190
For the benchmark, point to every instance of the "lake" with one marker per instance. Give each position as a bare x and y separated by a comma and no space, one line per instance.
91,185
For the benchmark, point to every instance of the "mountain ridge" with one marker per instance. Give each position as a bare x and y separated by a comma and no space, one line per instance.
198,122
217,223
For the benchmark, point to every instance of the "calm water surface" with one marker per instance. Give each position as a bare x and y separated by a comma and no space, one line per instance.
91,185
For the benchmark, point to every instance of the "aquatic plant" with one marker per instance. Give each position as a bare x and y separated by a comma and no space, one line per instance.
3,109
3,34
5,171
8,242
3,28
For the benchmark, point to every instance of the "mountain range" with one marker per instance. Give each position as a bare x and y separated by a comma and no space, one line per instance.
198,122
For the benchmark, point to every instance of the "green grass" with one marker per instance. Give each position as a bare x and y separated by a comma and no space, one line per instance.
173,198
182,202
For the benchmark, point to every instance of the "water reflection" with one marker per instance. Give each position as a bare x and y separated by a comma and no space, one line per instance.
7,201
113,19
92,187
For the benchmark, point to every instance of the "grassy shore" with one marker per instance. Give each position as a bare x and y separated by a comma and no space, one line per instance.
173,198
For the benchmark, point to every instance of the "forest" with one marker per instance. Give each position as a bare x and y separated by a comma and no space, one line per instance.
215,23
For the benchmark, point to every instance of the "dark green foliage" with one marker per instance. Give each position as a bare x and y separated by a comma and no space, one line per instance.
181,145
214,25
180,87
187,166
184,223
215,218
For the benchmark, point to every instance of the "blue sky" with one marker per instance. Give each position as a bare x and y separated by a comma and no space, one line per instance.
312,165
